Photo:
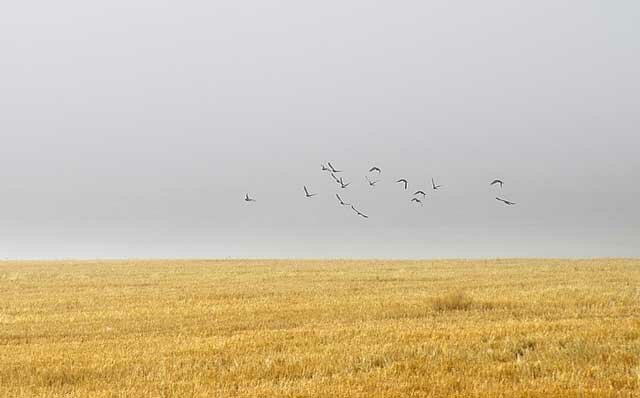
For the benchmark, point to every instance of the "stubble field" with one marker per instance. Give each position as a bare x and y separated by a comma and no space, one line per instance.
536,328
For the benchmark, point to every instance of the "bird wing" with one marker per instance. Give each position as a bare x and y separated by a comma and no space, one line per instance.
305,191
360,214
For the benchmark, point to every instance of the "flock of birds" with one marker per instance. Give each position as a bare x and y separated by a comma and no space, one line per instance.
372,182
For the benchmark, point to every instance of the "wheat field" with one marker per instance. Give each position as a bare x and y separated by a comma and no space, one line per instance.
495,328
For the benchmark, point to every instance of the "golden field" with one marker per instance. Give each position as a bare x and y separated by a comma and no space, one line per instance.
534,328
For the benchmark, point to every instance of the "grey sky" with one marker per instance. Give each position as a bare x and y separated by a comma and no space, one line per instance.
134,128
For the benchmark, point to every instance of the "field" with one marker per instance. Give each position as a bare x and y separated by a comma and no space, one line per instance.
535,328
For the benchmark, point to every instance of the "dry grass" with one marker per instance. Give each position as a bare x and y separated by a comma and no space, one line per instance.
536,328
453,301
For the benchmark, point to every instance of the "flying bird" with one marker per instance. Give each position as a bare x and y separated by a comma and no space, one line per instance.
341,201
333,168
417,201
324,168
406,183
424,195
433,184
307,194
374,168
494,182
372,183
506,201
248,199
342,184
359,213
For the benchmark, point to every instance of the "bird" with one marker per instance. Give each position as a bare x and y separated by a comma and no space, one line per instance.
424,195
374,168
333,169
505,201
324,168
335,178
406,183
248,199
497,182
435,187
417,201
372,183
307,194
359,213
341,201
342,184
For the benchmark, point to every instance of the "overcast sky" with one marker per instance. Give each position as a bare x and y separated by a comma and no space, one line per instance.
135,128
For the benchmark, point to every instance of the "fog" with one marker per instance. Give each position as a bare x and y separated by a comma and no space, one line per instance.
135,128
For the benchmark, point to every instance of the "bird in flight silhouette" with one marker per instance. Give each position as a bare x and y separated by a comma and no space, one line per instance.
405,182
333,168
307,194
435,187
324,168
417,201
424,195
372,183
342,183
359,213
374,168
494,182
341,201
248,199
506,202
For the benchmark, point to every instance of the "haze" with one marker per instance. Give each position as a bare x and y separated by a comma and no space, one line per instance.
135,128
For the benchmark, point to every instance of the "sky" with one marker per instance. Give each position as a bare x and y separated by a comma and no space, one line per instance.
135,128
